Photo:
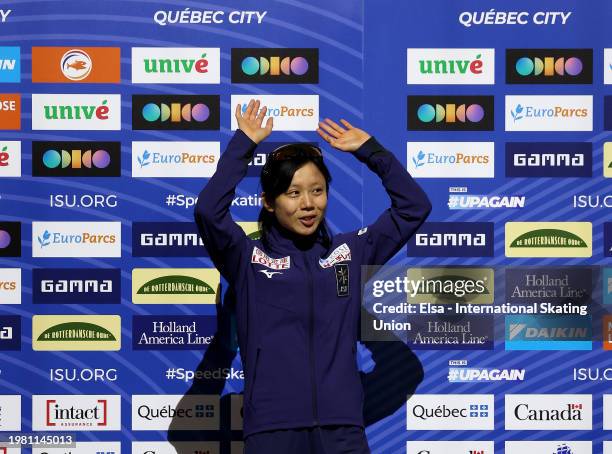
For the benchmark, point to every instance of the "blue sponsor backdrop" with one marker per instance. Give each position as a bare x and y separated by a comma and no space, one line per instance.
362,77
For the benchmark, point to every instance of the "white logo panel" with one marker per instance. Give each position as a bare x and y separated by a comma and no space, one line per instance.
76,239
10,413
549,113
450,412
451,159
175,159
290,112
76,413
10,286
76,112
175,65
549,411
446,447
451,66
184,412
10,158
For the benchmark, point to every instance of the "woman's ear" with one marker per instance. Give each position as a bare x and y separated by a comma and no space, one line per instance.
266,205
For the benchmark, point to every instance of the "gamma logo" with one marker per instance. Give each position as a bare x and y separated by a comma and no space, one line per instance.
76,286
10,332
10,111
10,159
450,113
10,239
76,413
166,239
452,239
76,159
175,286
10,64
451,66
76,332
175,65
178,112
549,159
275,66
549,66
76,112
76,65
549,239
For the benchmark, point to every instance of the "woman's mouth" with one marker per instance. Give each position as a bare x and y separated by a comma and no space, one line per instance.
308,221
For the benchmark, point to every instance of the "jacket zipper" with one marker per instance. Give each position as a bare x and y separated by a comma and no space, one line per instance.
311,350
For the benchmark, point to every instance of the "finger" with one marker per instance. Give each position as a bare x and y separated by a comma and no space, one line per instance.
269,124
325,136
249,109
346,123
328,129
238,110
335,125
255,110
261,115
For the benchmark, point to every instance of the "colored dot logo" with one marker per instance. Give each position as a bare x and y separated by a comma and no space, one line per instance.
450,113
175,112
76,64
5,239
76,159
274,66
548,66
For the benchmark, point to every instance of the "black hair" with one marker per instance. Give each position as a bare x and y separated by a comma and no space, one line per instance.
276,177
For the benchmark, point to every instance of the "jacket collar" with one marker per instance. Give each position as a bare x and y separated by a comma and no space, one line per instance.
283,240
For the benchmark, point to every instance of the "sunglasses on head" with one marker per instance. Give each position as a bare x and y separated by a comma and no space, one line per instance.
294,150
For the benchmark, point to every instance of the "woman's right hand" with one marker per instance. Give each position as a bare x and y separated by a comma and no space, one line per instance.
250,121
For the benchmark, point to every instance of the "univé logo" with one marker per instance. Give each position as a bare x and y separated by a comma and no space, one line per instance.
451,66
177,65
72,112
275,65
76,159
451,113
10,159
549,66
175,112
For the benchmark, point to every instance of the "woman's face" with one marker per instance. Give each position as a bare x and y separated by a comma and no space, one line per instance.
301,208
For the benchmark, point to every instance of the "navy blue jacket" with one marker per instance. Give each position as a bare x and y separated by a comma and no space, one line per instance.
297,326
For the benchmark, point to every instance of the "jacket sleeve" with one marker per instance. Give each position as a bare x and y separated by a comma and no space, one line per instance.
410,206
223,238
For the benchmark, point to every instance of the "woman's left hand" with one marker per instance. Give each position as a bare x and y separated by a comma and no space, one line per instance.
348,138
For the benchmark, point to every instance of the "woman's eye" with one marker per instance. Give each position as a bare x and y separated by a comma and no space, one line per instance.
318,191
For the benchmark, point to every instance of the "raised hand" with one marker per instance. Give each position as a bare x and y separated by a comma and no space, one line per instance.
250,121
348,138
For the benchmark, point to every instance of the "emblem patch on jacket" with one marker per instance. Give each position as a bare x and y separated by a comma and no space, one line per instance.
341,254
261,258
342,279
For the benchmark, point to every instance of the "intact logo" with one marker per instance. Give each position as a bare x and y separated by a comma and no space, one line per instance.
10,286
175,112
549,159
548,411
549,66
167,239
275,65
175,65
76,159
84,447
76,413
180,332
76,112
175,286
548,239
539,332
10,417
451,66
165,447
607,160
76,286
483,202
76,332
450,113
10,111
10,332
76,64
452,239
549,113
10,159
460,285
451,159
10,64
450,412
290,112
76,239
191,412
175,159
10,239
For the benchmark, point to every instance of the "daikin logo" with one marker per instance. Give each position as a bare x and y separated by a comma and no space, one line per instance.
76,64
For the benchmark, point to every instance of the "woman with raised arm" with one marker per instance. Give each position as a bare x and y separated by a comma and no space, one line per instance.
298,287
